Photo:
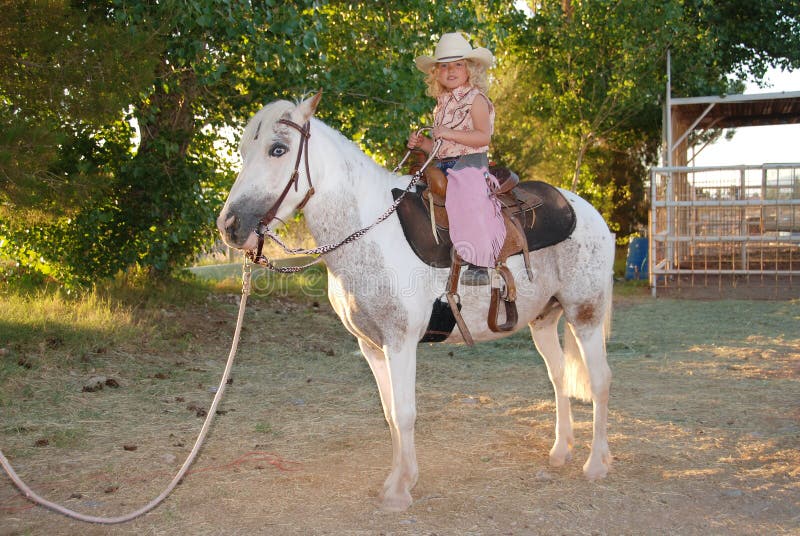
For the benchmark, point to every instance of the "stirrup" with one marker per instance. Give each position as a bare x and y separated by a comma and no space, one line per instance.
503,288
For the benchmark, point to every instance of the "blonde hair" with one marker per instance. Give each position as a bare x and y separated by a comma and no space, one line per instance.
478,77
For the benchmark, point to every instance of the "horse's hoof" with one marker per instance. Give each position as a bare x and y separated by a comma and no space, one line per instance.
595,471
396,502
558,457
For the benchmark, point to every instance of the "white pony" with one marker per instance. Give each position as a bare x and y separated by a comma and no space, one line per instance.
384,294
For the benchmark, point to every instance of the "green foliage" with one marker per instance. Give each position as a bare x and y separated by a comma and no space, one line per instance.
578,94
212,63
65,73
747,37
581,100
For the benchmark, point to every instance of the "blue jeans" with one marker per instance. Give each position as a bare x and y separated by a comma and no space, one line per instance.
444,166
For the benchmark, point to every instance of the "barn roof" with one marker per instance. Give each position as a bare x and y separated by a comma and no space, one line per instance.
731,111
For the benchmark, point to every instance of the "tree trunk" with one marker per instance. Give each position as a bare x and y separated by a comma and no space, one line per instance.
585,141
167,114
566,8
156,186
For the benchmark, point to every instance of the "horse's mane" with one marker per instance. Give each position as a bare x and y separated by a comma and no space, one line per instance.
347,148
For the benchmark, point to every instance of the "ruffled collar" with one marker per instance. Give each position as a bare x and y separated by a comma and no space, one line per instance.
458,94
462,91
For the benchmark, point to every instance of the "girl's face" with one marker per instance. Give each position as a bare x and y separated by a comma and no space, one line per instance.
453,74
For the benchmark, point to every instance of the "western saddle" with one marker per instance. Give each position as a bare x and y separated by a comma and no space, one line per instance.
517,207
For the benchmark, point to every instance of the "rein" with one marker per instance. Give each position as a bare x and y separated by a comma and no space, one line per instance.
262,229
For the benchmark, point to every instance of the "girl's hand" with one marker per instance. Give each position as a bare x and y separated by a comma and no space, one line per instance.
441,132
414,140
418,141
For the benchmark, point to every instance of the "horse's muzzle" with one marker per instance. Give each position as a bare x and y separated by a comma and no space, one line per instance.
234,234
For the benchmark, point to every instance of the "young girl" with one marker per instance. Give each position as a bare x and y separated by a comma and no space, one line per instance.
464,121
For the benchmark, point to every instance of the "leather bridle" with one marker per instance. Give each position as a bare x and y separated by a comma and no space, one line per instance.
262,229
302,153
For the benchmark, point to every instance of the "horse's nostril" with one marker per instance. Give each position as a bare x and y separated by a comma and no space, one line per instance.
228,226
231,223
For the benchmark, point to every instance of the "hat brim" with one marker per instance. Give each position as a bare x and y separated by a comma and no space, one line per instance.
480,55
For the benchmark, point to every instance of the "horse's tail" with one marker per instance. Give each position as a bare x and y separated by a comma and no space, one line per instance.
576,375
607,314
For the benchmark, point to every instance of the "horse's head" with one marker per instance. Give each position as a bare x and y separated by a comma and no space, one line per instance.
270,150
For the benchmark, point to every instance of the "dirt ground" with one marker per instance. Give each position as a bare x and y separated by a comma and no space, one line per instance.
704,429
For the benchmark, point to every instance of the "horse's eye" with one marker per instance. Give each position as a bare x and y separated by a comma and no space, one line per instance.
278,150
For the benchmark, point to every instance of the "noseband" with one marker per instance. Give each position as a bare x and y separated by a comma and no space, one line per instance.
302,152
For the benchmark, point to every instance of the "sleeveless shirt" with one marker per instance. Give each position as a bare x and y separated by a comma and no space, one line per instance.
453,110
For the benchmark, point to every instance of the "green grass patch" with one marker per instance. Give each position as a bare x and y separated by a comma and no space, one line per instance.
66,437
632,288
308,285
47,326
49,321
265,428
164,341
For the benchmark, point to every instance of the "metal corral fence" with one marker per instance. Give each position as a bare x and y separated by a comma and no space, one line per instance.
732,231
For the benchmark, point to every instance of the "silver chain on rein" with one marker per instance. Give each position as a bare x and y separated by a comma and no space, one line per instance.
262,260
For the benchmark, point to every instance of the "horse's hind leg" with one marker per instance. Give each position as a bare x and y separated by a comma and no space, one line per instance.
396,383
591,342
545,336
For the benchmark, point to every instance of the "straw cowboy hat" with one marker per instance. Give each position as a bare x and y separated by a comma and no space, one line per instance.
453,47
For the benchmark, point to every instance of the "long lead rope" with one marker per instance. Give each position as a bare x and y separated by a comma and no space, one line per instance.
32,496
246,275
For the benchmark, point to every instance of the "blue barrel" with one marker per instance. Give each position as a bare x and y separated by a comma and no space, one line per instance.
636,266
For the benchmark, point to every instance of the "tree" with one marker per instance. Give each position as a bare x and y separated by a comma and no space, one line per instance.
63,73
745,38
578,94
210,65
589,77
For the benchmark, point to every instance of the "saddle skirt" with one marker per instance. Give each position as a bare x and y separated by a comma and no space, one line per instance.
553,221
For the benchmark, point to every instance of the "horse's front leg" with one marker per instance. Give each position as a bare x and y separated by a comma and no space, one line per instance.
395,374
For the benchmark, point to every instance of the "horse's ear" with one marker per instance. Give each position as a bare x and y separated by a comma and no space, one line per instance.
309,106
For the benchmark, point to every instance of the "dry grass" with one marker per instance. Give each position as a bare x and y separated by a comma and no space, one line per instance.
704,427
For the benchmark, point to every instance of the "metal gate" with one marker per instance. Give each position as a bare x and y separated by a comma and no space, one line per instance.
726,229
